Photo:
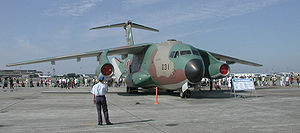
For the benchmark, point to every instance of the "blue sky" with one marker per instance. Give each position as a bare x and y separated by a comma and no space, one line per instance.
262,31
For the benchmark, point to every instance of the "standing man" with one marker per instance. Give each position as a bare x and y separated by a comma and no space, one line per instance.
282,80
298,80
11,82
291,80
99,90
27,82
287,80
3,81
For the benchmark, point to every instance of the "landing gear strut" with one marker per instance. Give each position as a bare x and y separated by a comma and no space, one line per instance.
185,94
210,84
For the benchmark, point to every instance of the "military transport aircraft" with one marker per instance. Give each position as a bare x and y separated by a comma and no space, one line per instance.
171,65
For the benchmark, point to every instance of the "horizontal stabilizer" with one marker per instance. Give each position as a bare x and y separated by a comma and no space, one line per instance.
134,25
109,26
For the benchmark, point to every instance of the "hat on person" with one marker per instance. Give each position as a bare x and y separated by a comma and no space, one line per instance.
101,78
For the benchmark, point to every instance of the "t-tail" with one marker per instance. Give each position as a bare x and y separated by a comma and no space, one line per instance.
128,28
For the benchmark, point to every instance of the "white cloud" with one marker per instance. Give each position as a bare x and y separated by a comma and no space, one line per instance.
164,14
204,10
138,3
73,8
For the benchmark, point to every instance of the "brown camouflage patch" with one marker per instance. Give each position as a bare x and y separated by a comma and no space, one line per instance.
176,76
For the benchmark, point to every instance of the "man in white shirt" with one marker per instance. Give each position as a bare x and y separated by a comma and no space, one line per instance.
287,80
99,90
282,80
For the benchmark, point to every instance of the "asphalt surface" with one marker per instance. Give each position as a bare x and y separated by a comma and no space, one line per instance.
58,110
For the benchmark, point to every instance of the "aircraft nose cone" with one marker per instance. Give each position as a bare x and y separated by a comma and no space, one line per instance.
194,70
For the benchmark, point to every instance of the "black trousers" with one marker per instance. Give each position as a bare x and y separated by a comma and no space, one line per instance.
101,103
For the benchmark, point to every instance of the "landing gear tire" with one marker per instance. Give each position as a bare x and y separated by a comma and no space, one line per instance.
132,90
128,89
182,94
185,94
188,94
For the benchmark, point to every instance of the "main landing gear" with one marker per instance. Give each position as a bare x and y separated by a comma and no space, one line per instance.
185,94
132,90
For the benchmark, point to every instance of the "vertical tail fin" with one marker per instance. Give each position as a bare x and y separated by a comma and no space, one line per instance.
128,28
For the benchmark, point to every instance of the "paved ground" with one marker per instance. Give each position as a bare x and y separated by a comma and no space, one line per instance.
44,110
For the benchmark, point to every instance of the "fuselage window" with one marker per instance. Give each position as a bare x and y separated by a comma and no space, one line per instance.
195,52
185,52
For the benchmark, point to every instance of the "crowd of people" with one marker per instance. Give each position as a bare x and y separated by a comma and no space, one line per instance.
259,81
10,82
64,82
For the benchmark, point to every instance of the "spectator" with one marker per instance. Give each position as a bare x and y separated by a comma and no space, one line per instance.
298,80
291,80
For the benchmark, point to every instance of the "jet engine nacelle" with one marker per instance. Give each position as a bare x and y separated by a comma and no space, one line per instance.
214,68
105,69
219,70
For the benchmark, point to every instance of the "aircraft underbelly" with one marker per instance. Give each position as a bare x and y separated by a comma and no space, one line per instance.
175,86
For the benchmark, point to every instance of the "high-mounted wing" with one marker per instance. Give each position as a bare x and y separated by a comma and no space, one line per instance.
231,60
113,51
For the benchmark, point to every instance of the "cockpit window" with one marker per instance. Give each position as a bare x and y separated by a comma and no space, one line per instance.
195,52
185,52
174,54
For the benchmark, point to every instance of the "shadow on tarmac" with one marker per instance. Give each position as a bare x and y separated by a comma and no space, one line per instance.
128,122
216,94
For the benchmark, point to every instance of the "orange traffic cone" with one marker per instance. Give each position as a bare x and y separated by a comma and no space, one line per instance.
156,96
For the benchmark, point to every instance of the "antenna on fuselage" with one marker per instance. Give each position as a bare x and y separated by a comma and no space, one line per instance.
128,28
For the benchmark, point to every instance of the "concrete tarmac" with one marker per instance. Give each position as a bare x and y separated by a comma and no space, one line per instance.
58,110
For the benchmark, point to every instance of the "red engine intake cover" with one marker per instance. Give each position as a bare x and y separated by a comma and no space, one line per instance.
224,69
107,69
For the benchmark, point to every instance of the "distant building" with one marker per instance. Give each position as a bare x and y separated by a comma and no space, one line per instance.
248,74
20,73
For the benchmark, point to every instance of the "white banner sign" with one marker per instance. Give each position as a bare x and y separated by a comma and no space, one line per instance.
243,84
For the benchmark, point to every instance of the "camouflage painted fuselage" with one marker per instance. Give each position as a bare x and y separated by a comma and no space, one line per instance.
169,65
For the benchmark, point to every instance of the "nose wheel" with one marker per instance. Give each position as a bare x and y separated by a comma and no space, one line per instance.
185,94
